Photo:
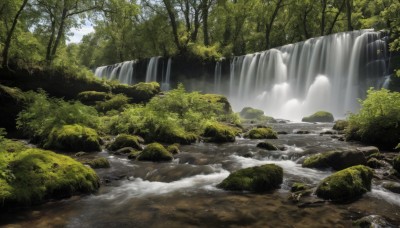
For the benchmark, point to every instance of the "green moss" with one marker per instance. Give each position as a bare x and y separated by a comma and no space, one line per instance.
396,163
340,125
296,187
133,154
375,163
266,146
124,140
91,97
219,133
33,175
155,152
172,135
99,163
346,185
337,160
218,99
73,138
256,179
251,113
117,102
174,148
138,93
320,116
261,133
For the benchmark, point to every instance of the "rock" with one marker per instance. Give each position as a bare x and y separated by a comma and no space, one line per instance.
340,125
220,133
375,163
302,132
248,155
251,113
396,163
320,116
155,152
346,185
99,163
372,221
255,179
138,93
368,150
267,146
296,187
73,138
326,133
134,154
261,133
392,186
174,148
80,154
378,156
124,150
123,141
219,99
282,133
337,160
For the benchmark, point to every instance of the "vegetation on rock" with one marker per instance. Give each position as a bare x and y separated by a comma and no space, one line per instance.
255,179
125,140
337,160
155,152
116,102
99,163
340,125
174,148
261,133
320,116
91,97
346,185
219,133
267,146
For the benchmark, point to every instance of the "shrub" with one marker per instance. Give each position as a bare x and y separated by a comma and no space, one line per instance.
320,116
138,93
91,97
378,121
340,125
117,102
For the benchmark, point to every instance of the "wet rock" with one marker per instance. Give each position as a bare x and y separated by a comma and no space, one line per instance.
346,185
378,156
266,146
372,221
80,154
125,150
255,179
261,132
337,160
282,133
392,186
302,132
396,163
327,133
155,152
99,163
174,148
282,148
297,186
133,154
123,141
368,150
375,163
320,116
248,155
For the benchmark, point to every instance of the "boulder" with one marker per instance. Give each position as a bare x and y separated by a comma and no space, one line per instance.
297,187
392,186
372,221
125,150
375,163
73,138
255,179
220,133
368,150
336,160
155,152
133,154
346,185
320,116
99,163
266,146
396,163
123,141
173,149
251,113
261,133
340,125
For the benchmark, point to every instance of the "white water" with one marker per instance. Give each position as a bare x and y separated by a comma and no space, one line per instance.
152,69
123,72
166,82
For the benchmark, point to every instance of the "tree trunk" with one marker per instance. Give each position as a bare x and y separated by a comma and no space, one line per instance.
60,33
172,20
349,11
51,40
323,14
205,7
10,34
193,36
306,34
268,27
336,17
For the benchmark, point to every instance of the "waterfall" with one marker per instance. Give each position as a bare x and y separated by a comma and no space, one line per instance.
166,84
217,77
123,72
325,73
152,69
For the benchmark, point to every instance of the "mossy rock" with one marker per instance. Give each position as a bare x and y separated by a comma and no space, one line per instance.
174,148
296,187
73,138
124,140
134,154
217,98
99,163
346,185
220,133
138,93
33,176
261,133
392,186
267,146
116,102
337,160
255,179
172,135
91,97
251,113
320,116
155,152
375,163
396,163
340,125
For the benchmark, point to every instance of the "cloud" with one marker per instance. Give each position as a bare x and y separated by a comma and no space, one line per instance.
78,33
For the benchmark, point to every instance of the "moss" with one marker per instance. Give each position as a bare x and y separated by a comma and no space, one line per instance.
124,140
73,138
251,113
346,185
320,116
219,99
155,152
261,133
174,148
91,97
219,133
12,102
340,125
99,163
296,187
138,93
133,154
172,135
396,163
337,160
33,175
266,146
117,102
255,179
375,163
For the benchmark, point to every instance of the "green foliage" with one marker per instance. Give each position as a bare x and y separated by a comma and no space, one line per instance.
117,102
320,116
378,121
255,179
261,133
296,187
91,97
124,140
174,148
30,176
155,152
347,184
138,93
340,125
73,138
42,114
2,134
99,163
203,52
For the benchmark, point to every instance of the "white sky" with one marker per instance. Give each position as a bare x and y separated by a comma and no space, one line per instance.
78,33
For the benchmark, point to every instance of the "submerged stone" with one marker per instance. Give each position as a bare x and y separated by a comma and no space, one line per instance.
320,116
346,185
255,179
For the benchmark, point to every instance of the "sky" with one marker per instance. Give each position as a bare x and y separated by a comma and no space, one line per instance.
78,33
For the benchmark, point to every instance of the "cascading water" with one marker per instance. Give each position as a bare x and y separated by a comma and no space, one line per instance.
217,77
123,72
166,84
325,73
152,69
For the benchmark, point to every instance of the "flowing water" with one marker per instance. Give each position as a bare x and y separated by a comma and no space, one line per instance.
183,193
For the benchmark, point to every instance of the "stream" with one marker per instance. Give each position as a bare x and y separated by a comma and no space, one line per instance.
183,193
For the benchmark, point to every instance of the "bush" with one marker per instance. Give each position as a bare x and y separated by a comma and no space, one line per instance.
138,93
124,140
340,125
261,133
91,97
378,121
347,184
155,152
320,116
73,138
256,179
42,114
117,102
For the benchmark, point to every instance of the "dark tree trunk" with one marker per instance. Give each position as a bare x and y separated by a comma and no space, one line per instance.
268,26
60,33
349,12
174,25
205,8
323,15
51,40
336,17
